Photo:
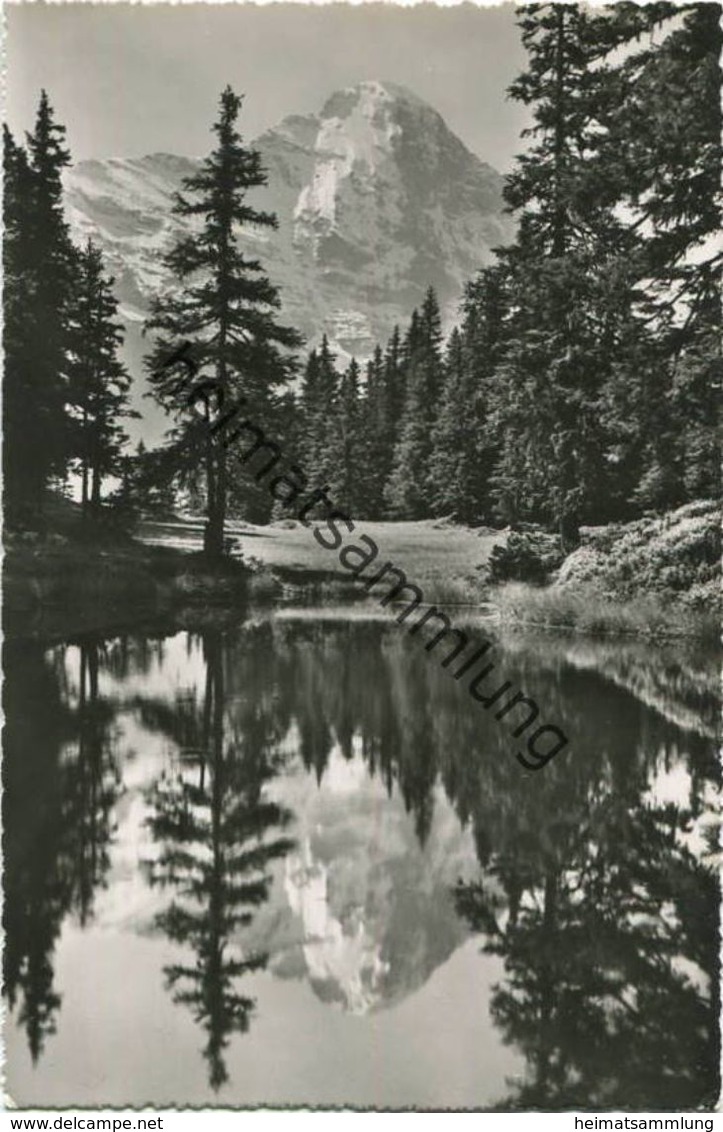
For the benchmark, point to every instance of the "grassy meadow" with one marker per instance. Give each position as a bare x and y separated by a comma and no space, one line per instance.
446,561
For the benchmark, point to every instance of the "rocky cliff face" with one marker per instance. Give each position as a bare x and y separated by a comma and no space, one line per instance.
376,199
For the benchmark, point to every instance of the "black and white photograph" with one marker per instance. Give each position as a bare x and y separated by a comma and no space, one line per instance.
361,580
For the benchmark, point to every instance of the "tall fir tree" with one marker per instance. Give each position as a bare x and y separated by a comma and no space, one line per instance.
378,435
410,488
39,263
347,475
466,439
18,382
325,410
225,308
661,153
394,379
99,384
319,397
552,464
307,406
453,435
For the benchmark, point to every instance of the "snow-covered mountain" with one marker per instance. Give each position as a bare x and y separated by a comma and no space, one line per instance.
376,199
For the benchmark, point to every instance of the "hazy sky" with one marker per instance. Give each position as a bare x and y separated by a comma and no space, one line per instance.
133,79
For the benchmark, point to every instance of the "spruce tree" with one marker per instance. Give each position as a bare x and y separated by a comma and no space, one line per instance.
318,411
394,379
394,397
552,464
98,383
347,472
661,152
149,483
322,451
307,409
18,385
410,488
53,265
451,434
39,265
225,307
378,435
466,440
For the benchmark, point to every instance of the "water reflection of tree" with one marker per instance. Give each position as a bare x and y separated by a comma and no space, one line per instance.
215,828
343,681
605,921
60,785
93,780
132,655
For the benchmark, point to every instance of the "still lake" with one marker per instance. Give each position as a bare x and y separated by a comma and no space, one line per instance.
288,860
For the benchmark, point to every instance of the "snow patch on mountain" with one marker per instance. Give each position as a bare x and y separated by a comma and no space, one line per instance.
359,136
376,200
342,955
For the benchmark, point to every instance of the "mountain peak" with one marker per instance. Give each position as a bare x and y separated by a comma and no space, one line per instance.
371,95
376,199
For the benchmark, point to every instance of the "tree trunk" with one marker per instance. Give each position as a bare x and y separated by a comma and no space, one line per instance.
221,493
210,534
95,492
84,489
213,536
569,532
216,527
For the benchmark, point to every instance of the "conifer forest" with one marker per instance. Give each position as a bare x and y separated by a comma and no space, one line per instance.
361,578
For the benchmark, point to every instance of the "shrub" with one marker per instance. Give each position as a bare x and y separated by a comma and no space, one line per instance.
265,586
586,611
529,557
674,555
452,591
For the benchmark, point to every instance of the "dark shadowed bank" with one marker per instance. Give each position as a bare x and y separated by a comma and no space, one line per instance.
78,578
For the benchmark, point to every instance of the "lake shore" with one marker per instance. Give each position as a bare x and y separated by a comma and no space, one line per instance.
654,578
56,585
657,577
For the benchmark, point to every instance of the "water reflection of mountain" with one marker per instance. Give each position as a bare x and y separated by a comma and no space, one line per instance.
308,795
367,912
